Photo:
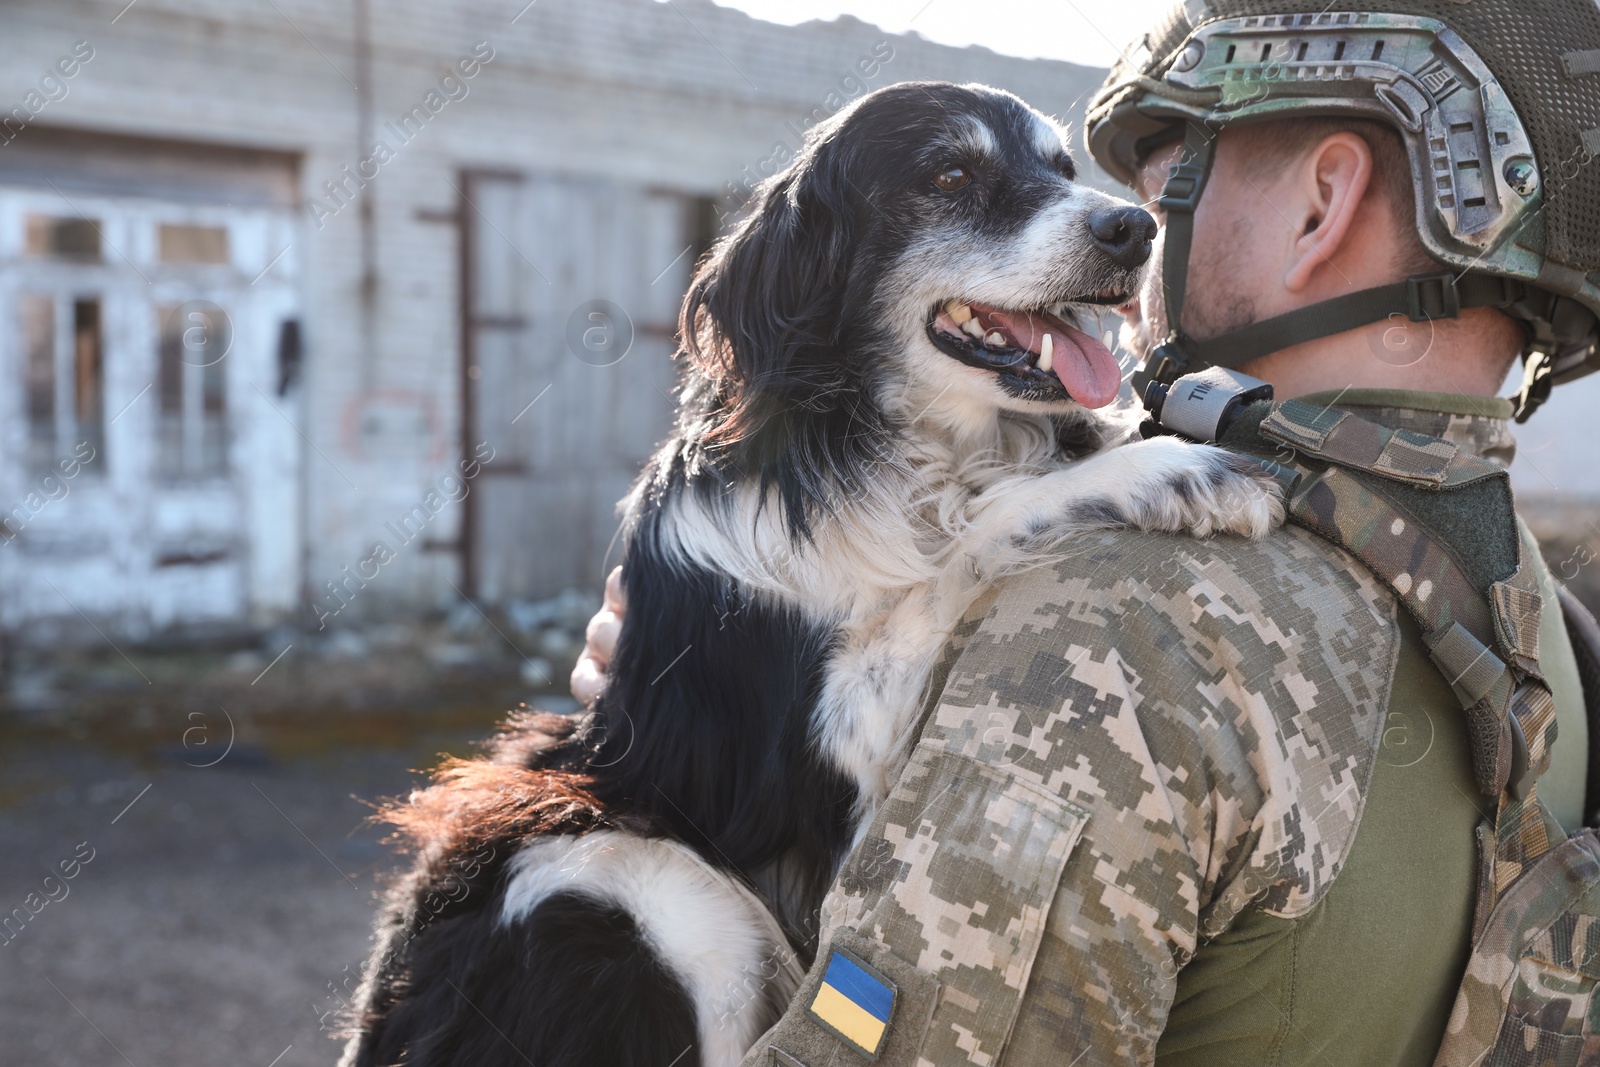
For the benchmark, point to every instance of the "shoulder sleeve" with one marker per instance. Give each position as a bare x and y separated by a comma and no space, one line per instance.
1134,745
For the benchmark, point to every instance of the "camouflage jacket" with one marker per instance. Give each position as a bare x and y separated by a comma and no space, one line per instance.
1153,755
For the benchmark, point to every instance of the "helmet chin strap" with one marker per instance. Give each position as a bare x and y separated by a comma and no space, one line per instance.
1421,298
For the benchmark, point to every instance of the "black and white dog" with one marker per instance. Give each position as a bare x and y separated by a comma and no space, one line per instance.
886,404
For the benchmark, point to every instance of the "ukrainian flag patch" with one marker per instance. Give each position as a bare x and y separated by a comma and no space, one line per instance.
854,1002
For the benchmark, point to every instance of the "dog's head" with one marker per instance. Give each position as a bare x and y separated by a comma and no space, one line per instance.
929,240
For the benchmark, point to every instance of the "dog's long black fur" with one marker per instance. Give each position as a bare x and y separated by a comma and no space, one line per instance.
707,721
706,733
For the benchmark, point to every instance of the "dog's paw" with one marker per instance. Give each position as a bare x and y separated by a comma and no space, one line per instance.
1235,495
1195,489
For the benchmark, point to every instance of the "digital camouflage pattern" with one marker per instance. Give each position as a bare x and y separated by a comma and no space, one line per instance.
1467,616
1164,688
1135,745
1526,999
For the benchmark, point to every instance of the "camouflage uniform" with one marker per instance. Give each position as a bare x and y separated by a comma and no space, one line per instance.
1128,832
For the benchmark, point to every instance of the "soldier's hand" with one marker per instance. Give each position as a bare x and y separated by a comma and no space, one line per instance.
600,641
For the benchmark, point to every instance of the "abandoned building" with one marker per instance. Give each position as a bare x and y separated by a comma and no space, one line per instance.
321,308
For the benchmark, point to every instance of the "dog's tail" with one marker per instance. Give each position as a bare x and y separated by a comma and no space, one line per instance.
528,783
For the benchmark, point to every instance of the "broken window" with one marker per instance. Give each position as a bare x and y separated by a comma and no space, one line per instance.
39,340
193,244
88,374
192,427
63,376
53,237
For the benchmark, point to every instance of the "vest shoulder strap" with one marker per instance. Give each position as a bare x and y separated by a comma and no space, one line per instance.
1336,436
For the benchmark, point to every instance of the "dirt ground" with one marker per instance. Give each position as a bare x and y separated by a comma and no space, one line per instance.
210,808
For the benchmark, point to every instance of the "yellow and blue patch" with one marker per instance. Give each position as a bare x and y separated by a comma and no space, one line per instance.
854,1002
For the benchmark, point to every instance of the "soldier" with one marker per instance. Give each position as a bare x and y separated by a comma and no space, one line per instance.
1296,801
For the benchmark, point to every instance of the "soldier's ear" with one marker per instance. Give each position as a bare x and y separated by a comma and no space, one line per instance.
1334,217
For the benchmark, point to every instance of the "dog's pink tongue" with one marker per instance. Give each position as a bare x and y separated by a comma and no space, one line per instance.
1085,366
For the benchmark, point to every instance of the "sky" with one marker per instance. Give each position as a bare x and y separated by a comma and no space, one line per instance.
1091,32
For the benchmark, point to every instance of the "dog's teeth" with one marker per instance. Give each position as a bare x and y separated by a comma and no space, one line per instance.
1046,352
959,313
997,339
972,329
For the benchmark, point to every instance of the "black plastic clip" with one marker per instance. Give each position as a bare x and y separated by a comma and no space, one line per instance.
1169,362
1519,783
1182,191
1432,296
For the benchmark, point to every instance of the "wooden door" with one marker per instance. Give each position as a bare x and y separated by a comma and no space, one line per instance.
572,290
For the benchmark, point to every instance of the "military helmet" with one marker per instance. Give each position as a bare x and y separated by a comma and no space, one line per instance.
1497,101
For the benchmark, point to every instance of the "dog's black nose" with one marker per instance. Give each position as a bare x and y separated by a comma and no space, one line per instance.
1123,233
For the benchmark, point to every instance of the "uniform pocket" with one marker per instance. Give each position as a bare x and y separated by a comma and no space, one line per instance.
1550,999
1528,996
840,1018
946,899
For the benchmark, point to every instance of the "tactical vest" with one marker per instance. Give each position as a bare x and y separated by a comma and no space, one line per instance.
1438,529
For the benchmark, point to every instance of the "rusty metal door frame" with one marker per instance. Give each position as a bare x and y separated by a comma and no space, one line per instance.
466,246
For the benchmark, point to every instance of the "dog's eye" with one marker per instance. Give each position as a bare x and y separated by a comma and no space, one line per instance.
952,178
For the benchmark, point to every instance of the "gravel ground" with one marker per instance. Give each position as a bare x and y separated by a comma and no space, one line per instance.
221,896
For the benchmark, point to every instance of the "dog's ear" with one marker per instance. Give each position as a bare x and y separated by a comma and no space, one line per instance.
764,310
773,395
